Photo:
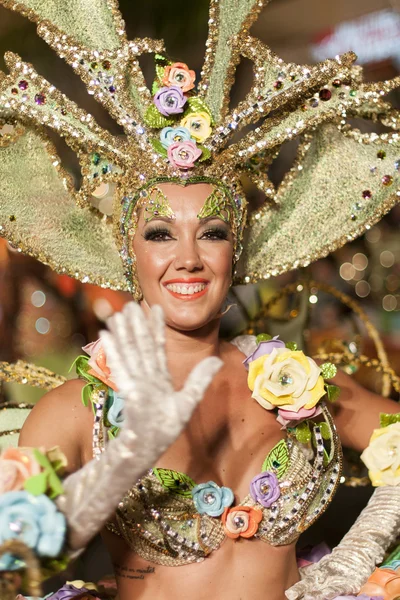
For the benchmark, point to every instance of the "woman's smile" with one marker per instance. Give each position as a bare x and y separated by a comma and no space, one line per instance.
187,289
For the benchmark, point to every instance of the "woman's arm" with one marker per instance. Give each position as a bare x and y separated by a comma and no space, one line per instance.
356,412
60,419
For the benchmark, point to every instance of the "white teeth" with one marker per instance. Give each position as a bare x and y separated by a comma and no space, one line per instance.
186,290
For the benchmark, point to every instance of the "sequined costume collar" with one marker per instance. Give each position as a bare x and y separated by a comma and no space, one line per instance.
165,518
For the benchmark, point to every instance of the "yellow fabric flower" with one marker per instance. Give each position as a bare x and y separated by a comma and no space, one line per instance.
286,378
199,125
382,457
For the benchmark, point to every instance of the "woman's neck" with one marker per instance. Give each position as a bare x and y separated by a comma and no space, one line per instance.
185,349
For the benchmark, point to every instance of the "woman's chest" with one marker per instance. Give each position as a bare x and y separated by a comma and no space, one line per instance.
227,438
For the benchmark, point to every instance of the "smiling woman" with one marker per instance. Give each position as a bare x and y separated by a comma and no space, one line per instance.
184,261
221,446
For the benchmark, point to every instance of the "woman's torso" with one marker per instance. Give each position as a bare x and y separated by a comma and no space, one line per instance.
226,441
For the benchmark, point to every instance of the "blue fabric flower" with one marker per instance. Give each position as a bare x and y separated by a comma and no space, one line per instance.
34,520
210,499
115,412
169,135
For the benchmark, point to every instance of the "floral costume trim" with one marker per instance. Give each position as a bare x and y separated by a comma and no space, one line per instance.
168,518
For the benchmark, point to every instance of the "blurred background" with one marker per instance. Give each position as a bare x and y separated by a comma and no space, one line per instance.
46,318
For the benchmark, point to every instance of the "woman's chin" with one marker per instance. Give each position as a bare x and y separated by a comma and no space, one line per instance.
190,321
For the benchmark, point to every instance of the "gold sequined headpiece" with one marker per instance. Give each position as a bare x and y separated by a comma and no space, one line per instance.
342,182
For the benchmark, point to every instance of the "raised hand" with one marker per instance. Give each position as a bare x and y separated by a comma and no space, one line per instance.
154,416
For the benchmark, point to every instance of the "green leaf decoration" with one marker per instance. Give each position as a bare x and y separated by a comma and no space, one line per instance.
277,460
263,337
333,392
51,566
291,346
158,147
175,482
206,154
388,419
153,118
37,484
162,60
155,87
328,370
81,365
325,431
303,433
325,460
160,73
53,486
198,105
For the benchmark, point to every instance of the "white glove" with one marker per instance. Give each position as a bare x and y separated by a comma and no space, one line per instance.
154,416
350,564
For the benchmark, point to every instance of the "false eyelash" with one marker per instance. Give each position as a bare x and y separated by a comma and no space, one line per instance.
151,234
218,232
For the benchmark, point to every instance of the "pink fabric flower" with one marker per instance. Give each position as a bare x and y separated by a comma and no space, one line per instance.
289,418
179,74
98,364
183,154
16,466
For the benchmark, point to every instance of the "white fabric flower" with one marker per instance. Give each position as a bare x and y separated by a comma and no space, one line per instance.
382,457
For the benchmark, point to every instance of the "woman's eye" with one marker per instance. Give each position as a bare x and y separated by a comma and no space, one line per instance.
157,235
215,234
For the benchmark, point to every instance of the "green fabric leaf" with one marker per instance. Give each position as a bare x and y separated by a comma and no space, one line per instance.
333,392
291,346
303,433
80,364
160,73
206,154
277,460
388,419
326,458
158,147
325,431
162,60
153,118
175,482
86,394
54,484
263,337
155,87
198,105
51,566
328,370
37,484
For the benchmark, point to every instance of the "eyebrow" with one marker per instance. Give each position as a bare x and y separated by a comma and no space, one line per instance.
201,221
165,219
212,218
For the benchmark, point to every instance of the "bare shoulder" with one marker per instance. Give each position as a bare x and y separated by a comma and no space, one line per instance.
61,419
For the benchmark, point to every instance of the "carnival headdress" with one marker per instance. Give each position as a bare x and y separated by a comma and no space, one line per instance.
341,183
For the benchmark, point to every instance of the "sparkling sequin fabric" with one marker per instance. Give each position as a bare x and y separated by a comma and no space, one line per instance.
342,183
158,519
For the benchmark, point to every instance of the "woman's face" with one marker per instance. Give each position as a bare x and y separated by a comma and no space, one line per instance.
184,264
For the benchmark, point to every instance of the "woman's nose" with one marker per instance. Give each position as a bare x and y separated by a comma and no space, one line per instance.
188,256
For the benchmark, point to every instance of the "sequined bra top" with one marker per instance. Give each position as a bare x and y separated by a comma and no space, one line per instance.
169,519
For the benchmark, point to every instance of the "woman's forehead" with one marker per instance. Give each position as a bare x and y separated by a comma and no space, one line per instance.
185,201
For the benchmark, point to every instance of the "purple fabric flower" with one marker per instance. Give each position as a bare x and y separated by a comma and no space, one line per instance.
264,488
170,100
69,591
264,348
